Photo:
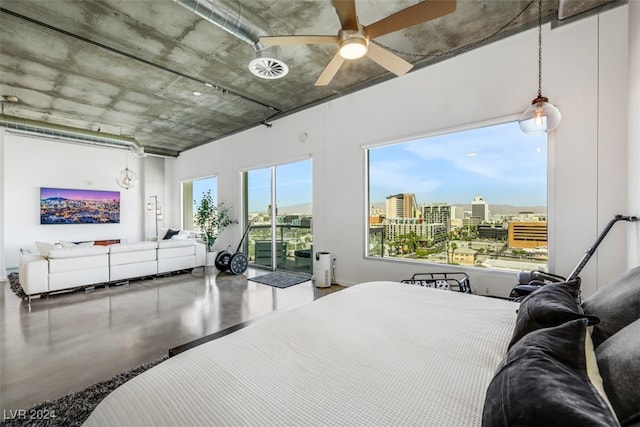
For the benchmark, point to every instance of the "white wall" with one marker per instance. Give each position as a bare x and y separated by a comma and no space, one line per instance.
154,185
30,163
585,69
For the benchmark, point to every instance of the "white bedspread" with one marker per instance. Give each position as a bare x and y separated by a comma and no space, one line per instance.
378,353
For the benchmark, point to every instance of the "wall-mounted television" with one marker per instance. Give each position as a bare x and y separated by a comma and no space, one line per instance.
68,206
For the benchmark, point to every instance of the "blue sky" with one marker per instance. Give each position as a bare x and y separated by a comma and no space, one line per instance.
498,162
201,186
293,186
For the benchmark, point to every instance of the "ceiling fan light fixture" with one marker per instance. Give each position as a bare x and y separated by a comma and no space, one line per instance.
353,48
353,44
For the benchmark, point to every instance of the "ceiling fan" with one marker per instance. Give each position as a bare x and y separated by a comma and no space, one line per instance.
353,39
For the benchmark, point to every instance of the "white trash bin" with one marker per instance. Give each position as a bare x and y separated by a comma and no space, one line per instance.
322,270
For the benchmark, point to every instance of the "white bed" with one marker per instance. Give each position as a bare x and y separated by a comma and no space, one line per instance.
378,353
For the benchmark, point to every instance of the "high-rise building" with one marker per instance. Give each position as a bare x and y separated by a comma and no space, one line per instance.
431,233
456,212
402,206
437,213
480,209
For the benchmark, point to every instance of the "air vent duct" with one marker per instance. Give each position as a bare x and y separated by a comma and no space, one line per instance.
241,22
69,134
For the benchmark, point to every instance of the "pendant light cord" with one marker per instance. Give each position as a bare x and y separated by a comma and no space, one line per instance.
539,48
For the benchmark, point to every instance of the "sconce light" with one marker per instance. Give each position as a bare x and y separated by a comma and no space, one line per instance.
154,205
541,116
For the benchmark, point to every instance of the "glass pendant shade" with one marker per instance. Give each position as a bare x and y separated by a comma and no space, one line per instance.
540,117
127,178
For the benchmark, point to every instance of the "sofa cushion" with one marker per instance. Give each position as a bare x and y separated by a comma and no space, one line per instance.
175,243
71,264
78,251
132,247
617,304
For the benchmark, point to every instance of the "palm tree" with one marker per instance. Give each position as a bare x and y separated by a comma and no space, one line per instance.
453,246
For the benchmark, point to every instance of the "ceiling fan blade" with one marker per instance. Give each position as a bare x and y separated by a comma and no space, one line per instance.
388,60
413,15
346,10
296,40
330,70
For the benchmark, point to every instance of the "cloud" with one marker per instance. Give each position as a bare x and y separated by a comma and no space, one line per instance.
495,156
391,177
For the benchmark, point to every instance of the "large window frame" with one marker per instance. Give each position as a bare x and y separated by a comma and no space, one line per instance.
545,141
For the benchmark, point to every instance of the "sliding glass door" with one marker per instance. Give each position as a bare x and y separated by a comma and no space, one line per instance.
278,206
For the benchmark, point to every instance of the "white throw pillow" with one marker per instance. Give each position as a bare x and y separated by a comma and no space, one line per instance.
182,235
66,244
45,247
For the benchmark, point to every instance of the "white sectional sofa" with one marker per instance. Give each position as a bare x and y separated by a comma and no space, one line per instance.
59,268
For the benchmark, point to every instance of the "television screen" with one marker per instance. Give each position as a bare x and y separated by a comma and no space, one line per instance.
66,206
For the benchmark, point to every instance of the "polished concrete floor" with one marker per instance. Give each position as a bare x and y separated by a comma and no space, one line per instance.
66,342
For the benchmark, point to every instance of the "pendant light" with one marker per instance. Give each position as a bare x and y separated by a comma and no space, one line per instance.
127,178
541,116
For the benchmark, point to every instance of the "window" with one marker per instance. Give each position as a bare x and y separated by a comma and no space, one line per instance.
475,198
192,192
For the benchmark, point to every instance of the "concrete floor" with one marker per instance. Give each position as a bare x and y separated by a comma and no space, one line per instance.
67,342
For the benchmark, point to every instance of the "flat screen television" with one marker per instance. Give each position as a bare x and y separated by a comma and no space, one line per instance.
68,206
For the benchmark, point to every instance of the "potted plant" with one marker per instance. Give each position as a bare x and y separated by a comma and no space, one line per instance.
211,219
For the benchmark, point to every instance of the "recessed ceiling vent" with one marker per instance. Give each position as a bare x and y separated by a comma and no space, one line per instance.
268,68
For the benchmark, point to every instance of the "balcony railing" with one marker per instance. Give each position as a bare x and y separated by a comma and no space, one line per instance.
294,248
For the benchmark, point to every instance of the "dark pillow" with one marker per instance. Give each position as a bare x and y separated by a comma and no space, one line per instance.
170,234
549,306
543,382
616,304
619,362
